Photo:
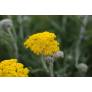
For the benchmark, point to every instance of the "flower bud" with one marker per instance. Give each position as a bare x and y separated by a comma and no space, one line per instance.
6,23
69,57
59,54
49,59
82,67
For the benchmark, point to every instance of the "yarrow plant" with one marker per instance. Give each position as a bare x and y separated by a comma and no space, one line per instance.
7,26
42,43
11,68
45,45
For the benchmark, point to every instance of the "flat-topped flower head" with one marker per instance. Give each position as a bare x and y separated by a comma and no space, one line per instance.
11,68
44,43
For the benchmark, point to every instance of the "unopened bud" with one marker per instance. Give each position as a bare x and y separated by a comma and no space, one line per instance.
82,67
6,23
59,54
49,59
69,57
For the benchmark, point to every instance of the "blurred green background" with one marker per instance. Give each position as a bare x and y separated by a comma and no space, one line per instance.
73,32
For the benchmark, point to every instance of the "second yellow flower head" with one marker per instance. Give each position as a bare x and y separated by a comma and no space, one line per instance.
11,68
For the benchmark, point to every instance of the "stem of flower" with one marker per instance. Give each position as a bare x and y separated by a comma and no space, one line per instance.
78,43
14,43
13,29
14,32
44,64
51,69
20,20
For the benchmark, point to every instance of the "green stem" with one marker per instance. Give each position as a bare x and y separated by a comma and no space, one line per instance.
81,34
51,69
13,29
20,20
14,32
14,43
44,64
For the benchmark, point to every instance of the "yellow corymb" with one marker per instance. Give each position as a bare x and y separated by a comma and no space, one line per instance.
11,68
44,43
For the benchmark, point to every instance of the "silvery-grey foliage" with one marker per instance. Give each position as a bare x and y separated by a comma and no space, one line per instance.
6,23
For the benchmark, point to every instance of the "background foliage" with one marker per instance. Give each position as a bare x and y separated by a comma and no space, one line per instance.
73,32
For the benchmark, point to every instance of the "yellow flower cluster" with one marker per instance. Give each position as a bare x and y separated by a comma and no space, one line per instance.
11,68
42,43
